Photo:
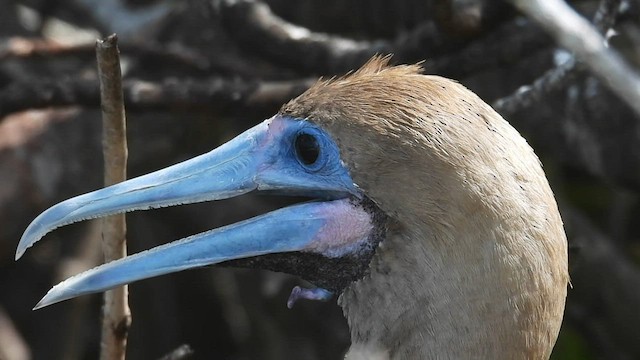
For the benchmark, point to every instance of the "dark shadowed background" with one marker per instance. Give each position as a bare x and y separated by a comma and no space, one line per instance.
198,72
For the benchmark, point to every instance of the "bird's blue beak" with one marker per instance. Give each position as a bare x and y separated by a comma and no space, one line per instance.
281,154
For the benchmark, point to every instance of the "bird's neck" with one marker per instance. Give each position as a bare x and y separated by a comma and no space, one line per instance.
425,298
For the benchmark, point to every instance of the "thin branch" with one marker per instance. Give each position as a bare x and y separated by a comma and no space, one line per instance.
253,23
12,344
576,138
182,352
527,95
560,76
19,47
116,313
255,26
216,94
575,33
460,16
605,16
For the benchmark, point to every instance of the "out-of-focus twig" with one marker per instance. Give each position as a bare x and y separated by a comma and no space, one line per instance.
182,352
527,95
575,33
217,95
559,76
19,47
460,16
605,16
255,25
116,313
12,345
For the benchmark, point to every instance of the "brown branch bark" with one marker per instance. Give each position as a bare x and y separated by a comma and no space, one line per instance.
116,313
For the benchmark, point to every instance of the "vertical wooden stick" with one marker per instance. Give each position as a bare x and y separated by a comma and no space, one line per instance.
116,314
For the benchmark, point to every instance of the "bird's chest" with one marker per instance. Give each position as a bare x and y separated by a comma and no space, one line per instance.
412,305
387,309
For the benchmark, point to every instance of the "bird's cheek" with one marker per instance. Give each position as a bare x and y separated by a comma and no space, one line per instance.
347,230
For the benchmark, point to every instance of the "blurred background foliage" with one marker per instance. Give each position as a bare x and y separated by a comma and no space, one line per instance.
198,72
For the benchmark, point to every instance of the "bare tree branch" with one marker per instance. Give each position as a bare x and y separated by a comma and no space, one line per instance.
576,34
610,153
19,47
12,345
116,318
254,25
216,94
605,16
527,95
558,77
180,353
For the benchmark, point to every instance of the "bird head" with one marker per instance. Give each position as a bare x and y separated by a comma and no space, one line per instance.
431,215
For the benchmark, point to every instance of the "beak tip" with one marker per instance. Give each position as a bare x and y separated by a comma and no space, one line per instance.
19,252
56,294
23,245
40,304
49,299
29,238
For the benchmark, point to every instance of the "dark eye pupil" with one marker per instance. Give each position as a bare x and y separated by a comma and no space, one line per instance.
307,148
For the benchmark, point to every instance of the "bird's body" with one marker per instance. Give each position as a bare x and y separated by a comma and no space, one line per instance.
472,261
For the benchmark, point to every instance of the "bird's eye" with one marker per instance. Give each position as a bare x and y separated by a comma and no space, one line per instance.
307,148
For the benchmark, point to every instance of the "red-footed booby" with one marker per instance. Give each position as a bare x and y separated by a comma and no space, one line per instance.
432,218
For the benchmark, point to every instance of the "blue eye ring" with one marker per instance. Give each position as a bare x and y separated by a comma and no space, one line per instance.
308,145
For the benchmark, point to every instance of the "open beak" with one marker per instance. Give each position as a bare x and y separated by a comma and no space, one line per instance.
262,158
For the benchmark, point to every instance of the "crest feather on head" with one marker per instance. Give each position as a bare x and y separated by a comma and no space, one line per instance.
377,91
379,63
